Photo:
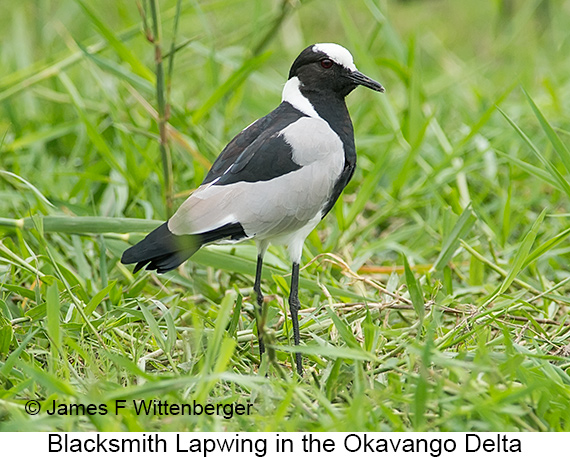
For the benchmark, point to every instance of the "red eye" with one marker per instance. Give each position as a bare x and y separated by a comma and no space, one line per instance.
326,63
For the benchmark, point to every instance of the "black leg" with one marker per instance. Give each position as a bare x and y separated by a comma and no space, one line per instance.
294,305
259,313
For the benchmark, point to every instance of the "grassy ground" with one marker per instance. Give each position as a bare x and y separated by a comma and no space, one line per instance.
462,175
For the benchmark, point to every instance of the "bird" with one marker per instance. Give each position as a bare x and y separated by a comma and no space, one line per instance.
274,181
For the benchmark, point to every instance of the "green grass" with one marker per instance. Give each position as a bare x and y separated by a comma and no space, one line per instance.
435,294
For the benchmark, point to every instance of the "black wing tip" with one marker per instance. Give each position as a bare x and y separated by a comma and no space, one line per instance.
155,264
129,256
161,264
163,251
139,265
157,250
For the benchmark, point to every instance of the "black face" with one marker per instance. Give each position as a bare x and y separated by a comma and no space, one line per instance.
317,72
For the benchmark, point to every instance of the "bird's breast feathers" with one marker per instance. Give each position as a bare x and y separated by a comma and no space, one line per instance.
312,140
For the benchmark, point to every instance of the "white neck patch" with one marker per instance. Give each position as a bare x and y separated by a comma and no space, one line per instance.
337,54
292,94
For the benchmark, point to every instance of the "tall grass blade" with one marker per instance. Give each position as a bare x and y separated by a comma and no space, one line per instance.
47,380
236,79
545,247
29,185
461,228
414,290
115,42
53,319
159,337
553,171
522,253
558,145
344,330
117,70
154,35
85,224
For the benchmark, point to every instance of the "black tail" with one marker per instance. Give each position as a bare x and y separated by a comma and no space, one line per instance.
163,251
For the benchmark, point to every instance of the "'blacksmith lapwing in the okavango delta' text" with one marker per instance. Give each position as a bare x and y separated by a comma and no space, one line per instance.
275,180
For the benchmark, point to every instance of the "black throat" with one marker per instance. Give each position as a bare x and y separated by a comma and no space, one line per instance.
332,108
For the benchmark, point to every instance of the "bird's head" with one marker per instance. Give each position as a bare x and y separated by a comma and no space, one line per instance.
325,67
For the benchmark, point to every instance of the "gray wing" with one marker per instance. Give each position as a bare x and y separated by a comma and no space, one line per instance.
278,203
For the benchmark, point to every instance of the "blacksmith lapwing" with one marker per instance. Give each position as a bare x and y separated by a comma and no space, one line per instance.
276,179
